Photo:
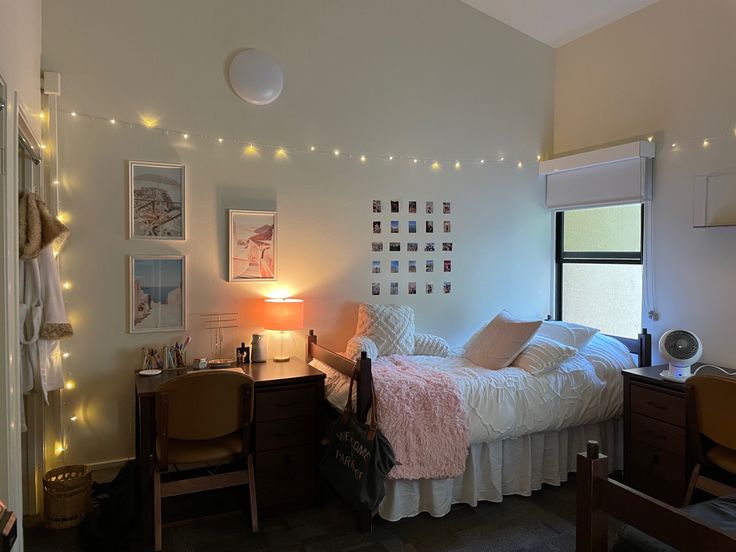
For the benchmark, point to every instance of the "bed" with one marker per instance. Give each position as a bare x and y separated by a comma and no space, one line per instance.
509,453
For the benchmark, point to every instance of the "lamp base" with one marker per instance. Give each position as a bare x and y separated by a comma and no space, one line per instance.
281,344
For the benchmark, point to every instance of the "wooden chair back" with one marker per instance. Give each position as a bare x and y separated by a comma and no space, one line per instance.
204,405
714,398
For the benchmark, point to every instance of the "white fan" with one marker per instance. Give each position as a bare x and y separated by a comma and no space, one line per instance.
681,349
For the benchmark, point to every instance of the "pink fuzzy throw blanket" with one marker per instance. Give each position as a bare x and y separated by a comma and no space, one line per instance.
422,413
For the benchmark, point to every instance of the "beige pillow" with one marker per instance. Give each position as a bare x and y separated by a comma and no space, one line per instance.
391,327
500,341
567,333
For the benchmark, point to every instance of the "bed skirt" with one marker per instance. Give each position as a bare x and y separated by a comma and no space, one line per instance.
508,467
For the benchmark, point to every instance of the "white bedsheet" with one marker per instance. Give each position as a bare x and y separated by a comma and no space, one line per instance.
510,403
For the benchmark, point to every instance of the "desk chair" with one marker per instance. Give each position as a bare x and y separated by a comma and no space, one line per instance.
203,418
711,401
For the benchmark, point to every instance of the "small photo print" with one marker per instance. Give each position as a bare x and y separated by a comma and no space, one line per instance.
446,246
412,247
394,226
429,266
377,246
412,288
394,288
429,246
394,246
447,266
429,227
412,227
429,208
394,206
447,287
376,205
394,267
376,267
376,226
446,210
375,288
430,289
412,206
446,226
412,266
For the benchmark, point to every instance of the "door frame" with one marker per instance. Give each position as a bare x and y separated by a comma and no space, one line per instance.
11,464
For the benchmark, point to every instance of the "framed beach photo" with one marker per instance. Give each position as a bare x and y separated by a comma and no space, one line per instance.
252,246
156,201
157,293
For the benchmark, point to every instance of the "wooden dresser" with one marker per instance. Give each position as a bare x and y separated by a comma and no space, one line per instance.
655,435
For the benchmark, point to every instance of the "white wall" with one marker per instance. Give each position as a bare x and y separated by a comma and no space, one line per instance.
667,70
409,77
20,54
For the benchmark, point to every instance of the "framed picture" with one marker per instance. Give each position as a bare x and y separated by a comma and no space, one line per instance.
157,293
156,201
252,246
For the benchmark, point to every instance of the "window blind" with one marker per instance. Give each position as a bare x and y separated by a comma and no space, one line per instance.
610,176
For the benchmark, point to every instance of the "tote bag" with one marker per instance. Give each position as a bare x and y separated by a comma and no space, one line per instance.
358,456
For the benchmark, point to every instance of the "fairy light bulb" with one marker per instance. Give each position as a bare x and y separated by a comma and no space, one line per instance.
67,285
674,145
65,355
281,154
55,182
416,160
312,148
73,113
251,151
482,161
113,121
706,143
43,146
519,164
73,419
221,140
436,166
501,158
390,157
186,136
69,385
650,139
362,158
336,152
539,157
457,165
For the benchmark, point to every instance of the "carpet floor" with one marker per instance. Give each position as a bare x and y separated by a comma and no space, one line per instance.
542,522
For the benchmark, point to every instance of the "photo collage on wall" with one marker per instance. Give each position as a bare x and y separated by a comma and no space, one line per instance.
412,247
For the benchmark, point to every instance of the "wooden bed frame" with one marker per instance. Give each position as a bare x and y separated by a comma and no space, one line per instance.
598,497
641,346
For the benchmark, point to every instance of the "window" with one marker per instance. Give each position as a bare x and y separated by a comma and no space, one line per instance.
599,268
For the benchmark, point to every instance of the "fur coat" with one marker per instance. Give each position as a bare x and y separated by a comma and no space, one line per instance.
43,320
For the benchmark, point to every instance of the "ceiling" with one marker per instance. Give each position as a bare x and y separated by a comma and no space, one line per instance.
557,22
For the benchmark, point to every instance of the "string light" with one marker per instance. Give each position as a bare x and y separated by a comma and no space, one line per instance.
390,157
416,160
73,114
65,355
457,165
69,385
500,159
674,145
482,161
113,121
362,158
312,148
520,164
43,146
252,151
650,139
706,143
337,153
280,154
221,140
67,285
539,157
436,166
186,136
73,419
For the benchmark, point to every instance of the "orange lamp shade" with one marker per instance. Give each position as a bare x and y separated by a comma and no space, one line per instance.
283,314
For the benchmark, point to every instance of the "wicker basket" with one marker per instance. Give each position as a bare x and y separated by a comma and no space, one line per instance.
67,493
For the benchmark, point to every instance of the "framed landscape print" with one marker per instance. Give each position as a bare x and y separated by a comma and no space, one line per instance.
156,199
252,246
157,293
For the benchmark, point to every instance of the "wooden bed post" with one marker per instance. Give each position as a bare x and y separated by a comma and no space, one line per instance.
591,522
365,386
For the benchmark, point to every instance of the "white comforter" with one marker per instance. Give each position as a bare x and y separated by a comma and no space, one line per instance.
510,402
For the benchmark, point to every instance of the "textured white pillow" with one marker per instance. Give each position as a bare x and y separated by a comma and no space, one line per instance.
391,327
500,341
568,333
543,355
433,345
360,343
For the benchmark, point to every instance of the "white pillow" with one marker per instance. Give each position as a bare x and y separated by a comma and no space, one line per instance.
543,355
500,341
568,333
391,327
432,345
360,343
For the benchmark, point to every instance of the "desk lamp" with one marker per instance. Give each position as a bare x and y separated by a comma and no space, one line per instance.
283,316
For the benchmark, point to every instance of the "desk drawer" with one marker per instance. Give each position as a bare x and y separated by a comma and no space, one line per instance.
286,403
658,434
285,476
279,434
656,404
648,461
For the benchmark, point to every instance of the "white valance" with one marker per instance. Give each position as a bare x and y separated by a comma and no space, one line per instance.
609,176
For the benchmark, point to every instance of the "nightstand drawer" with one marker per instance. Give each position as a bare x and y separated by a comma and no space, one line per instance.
649,461
658,434
657,404
286,403
279,434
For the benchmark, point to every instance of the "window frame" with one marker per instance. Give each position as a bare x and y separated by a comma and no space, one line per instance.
588,257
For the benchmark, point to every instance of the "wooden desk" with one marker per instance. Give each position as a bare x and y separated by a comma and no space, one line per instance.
288,396
657,455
